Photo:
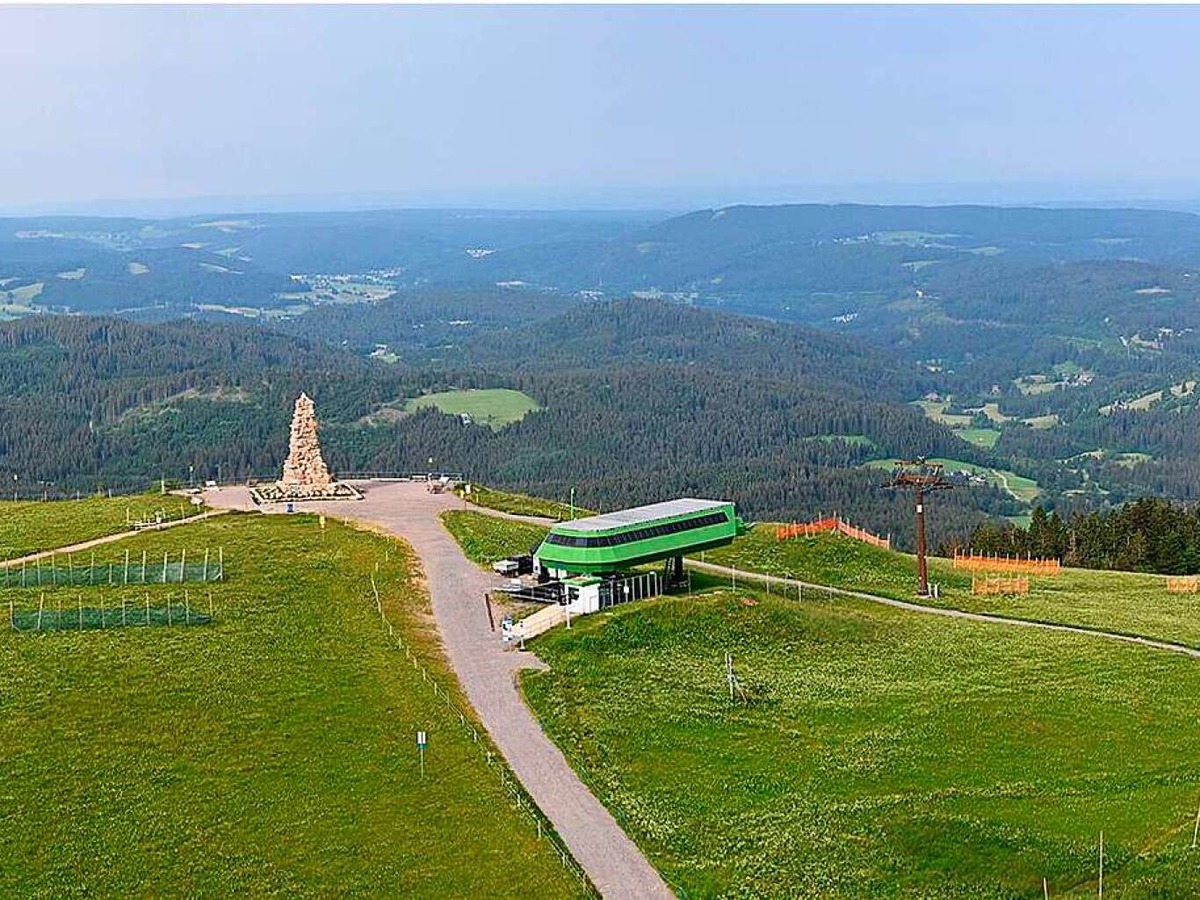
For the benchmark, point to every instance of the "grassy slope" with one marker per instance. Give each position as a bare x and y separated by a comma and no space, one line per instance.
495,407
485,539
885,754
522,504
1114,601
30,526
980,437
271,752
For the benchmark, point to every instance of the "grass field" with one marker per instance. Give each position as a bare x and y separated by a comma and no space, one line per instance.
1042,422
877,753
485,539
1112,601
1025,489
992,411
522,504
30,526
270,753
494,407
980,437
936,410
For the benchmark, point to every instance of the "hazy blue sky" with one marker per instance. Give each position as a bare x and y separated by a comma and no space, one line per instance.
598,106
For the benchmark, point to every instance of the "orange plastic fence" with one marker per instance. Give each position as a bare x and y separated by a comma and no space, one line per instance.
1185,585
996,585
982,562
833,523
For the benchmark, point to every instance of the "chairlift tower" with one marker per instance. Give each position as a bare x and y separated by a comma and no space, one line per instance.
920,477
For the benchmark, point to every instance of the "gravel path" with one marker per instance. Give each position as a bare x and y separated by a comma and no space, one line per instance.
108,539
714,569
488,675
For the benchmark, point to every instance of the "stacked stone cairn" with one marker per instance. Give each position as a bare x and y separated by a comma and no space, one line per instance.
305,475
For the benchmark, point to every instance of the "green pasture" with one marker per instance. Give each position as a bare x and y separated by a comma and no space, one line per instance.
485,539
980,437
30,526
494,407
871,752
269,752
1124,602
936,410
522,504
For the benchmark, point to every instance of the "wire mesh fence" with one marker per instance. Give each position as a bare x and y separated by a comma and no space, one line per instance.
61,614
208,566
488,754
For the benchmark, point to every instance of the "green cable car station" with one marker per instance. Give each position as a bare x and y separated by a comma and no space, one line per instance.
595,559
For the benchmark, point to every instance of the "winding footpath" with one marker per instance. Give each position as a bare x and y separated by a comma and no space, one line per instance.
488,674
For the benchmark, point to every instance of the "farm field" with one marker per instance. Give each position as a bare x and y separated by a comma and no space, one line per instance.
1025,489
1111,601
936,410
485,539
270,752
494,407
874,752
980,437
29,526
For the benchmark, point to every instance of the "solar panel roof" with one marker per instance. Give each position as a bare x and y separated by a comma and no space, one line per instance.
640,514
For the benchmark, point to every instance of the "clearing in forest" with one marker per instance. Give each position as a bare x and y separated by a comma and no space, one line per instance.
494,407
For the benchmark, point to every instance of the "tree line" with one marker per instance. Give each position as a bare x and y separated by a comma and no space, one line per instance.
1146,535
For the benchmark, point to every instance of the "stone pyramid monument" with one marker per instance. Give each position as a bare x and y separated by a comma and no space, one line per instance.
305,465
305,475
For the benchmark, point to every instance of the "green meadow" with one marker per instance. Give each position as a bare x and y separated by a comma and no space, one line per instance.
494,407
271,752
1126,602
871,752
29,526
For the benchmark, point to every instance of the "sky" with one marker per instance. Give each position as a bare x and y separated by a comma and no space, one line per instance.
666,106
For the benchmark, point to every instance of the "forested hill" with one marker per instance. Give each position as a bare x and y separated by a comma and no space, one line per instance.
652,332
87,402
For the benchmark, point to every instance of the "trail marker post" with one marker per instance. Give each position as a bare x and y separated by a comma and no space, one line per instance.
422,743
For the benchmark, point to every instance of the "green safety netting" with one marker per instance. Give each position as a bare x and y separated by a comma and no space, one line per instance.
82,618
